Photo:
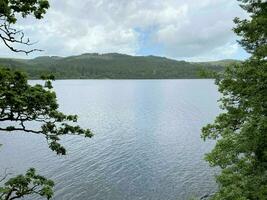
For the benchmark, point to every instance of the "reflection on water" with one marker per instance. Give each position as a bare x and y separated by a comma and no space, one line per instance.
146,146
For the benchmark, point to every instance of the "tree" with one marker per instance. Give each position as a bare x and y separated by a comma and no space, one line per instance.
23,185
241,130
22,103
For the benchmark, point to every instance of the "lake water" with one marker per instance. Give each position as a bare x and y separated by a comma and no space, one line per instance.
147,143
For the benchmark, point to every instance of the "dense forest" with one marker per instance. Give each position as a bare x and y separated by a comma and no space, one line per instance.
111,66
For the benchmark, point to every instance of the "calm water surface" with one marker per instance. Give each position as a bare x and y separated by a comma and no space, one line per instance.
147,143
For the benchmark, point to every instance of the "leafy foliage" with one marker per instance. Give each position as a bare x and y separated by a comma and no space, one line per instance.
21,103
27,184
241,130
110,66
10,8
253,31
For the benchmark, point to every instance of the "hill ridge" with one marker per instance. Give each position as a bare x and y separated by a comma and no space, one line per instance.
112,66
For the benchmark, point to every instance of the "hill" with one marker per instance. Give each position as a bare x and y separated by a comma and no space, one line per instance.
222,63
109,66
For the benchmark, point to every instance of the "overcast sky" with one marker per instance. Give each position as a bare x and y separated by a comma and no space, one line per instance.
193,30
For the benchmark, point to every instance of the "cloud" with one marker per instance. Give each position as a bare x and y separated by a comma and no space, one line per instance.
186,29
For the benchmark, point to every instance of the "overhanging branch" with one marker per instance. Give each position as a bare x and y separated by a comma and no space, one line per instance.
11,36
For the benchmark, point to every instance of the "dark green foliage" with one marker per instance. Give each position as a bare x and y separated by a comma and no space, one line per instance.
28,184
21,103
253,31
11,8
241,130
113,66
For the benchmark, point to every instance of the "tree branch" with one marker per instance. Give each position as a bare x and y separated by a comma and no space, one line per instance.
9,36
20,129
5,175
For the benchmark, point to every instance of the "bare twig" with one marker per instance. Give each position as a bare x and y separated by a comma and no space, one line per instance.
11,36
6,174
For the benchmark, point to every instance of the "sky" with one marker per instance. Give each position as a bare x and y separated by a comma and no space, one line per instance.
191,30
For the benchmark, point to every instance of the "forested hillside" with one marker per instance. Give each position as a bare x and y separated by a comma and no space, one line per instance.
110,66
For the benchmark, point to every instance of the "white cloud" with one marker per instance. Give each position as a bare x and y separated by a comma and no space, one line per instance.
182,28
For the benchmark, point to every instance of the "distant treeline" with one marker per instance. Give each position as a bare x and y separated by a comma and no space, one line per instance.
111,66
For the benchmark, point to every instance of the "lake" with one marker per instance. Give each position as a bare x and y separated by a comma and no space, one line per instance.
147,143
